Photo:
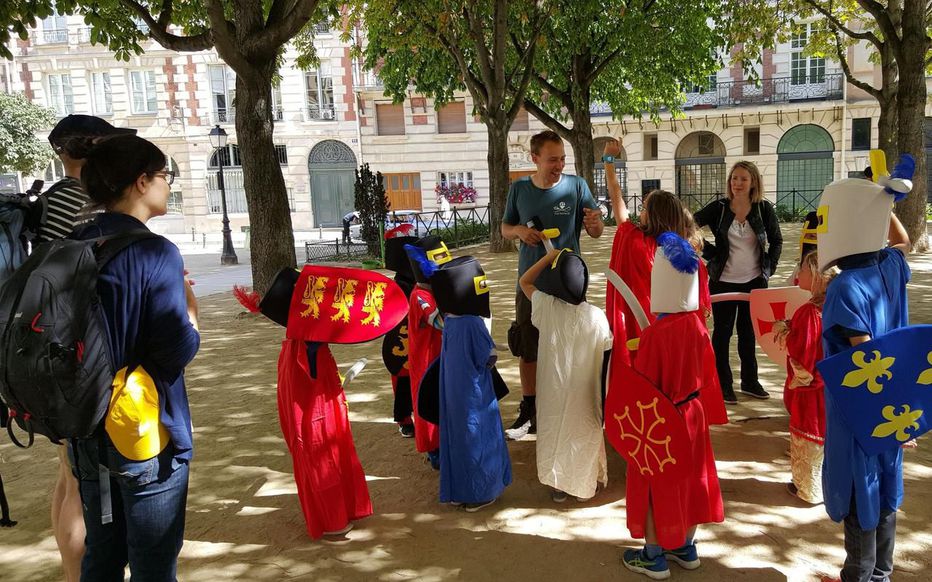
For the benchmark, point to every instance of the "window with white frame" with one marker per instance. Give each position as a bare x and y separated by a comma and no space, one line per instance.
175,196
318,87
711,82
142,92
101,94
54,28
60,95
447,179
804,69
278,112
223,93
54,172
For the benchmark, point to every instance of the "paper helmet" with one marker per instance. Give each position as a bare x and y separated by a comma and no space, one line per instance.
277,301
674,278
425,256
395,257
567,278
808,240
460,288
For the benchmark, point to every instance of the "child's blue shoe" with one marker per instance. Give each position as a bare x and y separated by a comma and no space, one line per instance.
686,556
434,458
637,561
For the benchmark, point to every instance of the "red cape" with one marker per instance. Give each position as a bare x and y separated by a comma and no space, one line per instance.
674,354
806,404
424,342
315,423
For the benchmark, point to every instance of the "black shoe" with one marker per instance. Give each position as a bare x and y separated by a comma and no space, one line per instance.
406,430
756,391
526,413
728,395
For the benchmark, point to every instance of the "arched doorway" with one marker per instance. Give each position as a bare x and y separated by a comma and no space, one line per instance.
805,164
598,177
700,169
331,166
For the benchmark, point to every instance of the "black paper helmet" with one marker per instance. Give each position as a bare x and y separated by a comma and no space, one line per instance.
460,288
277,301
395,257
426,256
566,278
808,241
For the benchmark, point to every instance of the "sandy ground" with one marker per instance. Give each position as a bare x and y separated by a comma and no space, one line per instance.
244,522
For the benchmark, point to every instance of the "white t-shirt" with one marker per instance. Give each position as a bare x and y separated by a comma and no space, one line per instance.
743,263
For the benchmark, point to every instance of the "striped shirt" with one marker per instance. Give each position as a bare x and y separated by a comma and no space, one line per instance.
66,208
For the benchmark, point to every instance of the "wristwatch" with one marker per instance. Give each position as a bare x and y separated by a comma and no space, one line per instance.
608,159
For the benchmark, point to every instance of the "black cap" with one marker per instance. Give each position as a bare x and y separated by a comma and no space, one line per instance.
460,288
77,126
567,278
396,259
435,251
277,301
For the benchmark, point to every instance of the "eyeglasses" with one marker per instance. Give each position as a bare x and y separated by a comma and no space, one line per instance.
167,174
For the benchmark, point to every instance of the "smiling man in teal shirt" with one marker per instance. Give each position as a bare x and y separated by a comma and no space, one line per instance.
559,201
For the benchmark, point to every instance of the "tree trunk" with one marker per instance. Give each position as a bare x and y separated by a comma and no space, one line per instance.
886,128
911,99
272,238
581,141
498,184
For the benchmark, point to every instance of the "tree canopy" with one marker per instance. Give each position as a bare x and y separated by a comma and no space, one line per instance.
20,121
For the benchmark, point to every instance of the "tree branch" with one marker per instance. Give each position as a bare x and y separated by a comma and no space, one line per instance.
279,31
548,120
879,12
836,23
601,66
870,89
522,89
224,34
482,52
159,31
525,53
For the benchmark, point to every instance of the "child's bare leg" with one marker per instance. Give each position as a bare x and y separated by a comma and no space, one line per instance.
68,519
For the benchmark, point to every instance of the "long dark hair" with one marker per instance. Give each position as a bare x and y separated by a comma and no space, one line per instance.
114,163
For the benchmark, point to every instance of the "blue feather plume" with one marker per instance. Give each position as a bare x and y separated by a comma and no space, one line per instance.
427,266
680,253
904,170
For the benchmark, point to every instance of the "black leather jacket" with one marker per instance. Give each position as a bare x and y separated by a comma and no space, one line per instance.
762,218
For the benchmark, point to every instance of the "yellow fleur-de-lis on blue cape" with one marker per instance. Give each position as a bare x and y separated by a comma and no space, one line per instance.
925,377
897,423
869,371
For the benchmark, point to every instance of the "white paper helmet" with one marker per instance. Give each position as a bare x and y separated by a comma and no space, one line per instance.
854,217
674,278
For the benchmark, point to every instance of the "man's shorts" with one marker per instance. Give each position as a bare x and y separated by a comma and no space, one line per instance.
523,336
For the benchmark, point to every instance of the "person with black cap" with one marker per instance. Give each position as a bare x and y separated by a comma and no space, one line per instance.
474,464
66,199
65,202
574,337
425,334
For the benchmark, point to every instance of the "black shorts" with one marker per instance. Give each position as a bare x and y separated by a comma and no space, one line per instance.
523,336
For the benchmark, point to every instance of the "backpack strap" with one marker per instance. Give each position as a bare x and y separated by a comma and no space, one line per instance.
108,247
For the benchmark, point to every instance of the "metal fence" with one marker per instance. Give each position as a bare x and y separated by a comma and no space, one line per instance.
334,250
793,205
457,227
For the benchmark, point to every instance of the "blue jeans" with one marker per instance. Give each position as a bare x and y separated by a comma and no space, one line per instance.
869,552
148,502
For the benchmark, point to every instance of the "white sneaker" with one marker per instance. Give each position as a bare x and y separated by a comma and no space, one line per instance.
340,532
516,434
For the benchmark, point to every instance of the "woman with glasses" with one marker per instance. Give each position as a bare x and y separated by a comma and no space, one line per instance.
151,315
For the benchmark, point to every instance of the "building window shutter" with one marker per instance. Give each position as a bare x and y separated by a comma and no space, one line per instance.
390,118
451,118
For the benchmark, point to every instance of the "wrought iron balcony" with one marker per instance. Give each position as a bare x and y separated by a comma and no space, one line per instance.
320,113
227,115
774,90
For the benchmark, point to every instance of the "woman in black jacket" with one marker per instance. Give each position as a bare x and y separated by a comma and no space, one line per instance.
745,254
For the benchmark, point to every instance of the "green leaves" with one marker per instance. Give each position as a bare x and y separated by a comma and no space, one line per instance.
20,149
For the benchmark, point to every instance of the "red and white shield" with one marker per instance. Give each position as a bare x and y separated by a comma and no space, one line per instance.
645,427
768,306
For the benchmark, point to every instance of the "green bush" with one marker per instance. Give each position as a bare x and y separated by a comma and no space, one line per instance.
787,214
467,231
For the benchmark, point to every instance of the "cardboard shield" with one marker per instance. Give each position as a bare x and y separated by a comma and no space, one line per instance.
769,306
646,428
883,388
395,349
340,305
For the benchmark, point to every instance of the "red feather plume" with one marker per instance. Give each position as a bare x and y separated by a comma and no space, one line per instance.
248,299
398,231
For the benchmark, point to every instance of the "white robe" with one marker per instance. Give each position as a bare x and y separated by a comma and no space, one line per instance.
570,443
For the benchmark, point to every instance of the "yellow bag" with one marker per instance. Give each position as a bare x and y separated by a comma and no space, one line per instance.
133,417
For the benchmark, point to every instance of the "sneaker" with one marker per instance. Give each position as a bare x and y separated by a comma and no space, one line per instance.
637,561
406,430
474,507
756,391
686,556
728,394
585,499
340,532
557,496
526,412
516,434
433,457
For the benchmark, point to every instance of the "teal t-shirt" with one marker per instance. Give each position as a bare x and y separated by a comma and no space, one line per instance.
559,206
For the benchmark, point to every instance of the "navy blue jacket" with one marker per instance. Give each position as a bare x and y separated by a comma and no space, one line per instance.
143,298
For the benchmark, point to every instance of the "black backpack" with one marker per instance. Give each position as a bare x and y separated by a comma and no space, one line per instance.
56,367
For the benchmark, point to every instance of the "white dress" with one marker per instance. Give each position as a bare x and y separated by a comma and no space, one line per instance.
570,443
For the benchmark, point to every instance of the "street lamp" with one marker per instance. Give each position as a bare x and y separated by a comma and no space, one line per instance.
218,139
